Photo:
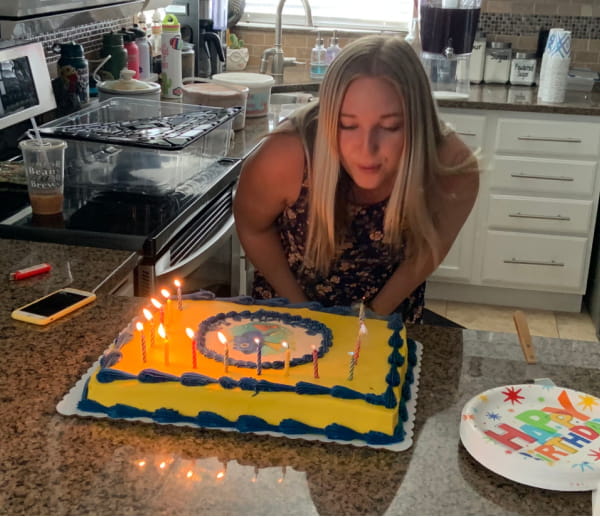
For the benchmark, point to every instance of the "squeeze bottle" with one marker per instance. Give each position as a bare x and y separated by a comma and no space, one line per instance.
171,78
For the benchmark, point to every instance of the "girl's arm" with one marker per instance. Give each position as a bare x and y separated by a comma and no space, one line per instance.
271,179
453,206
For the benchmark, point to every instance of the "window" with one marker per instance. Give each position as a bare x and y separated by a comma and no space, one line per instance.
341,14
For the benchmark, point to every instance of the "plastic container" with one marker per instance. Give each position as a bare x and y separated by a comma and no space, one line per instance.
171,77
259,86
126,85
224,96
498,56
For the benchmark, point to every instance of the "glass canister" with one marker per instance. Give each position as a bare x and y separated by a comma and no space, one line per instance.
523,68
498,56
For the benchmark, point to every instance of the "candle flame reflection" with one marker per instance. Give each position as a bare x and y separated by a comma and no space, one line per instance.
161,331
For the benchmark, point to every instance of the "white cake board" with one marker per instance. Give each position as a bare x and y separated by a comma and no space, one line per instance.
68,407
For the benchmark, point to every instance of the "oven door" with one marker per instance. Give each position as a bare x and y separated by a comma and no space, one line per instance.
204,254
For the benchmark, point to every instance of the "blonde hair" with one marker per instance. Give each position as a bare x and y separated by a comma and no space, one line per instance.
408,216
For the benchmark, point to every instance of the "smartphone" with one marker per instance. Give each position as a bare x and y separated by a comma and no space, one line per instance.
53,306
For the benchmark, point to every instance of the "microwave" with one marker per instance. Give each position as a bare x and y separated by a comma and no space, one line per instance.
18,9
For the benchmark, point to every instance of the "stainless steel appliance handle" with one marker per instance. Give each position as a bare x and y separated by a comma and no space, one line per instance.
535,262
550,139
541,177
534,216
224,231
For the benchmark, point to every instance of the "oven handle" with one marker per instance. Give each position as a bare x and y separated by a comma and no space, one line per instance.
223,232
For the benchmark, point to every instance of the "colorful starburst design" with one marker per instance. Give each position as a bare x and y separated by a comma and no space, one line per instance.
587,402
595,455
493,416
512,395
584,465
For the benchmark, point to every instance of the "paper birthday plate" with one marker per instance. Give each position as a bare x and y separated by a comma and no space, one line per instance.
538,435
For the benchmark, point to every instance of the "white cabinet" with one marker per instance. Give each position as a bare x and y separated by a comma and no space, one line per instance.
458,263
529,240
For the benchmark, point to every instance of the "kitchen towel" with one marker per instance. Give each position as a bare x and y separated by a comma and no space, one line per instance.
555,67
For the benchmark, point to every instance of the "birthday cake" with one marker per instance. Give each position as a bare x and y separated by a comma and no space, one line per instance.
259,366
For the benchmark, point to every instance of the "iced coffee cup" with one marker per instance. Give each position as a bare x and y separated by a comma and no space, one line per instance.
44,161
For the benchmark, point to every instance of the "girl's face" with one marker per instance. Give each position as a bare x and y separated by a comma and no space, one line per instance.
371,137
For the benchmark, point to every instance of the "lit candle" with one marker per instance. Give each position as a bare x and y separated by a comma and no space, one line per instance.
223,340
315,357
167,296
352,364
140,326
362,327
159,308
148,316
163,334
191,335
179,301
258,356
286,363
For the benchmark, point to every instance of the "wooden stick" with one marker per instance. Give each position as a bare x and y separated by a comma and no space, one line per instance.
524,337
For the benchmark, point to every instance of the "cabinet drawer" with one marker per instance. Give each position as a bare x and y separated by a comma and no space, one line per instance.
536,175
531,214
470,128
548,138
526,260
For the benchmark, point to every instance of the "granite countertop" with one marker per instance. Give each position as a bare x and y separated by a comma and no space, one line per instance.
483,96
54,464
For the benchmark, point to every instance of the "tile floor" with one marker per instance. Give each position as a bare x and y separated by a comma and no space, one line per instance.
565,325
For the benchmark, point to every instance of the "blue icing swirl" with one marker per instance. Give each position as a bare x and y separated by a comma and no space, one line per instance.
389,398
154,376
346,393
396,358
249,423
308,388
291,426
340,432
228,383
210,419
396,340
109,375
196,379
393,377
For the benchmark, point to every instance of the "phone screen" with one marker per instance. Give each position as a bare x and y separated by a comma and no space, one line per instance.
54,303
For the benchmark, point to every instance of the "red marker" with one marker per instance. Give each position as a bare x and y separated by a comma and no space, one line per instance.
30,271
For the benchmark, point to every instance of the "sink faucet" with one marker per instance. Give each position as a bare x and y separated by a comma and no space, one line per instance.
278,61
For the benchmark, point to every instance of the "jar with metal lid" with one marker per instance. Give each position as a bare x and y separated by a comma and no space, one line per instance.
522,68
497,62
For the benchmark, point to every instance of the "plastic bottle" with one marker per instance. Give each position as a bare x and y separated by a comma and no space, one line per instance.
318,59
144,53
133,53
171,78
112,43
333,49
156,33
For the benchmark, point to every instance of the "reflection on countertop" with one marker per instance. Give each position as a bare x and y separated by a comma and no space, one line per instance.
54,464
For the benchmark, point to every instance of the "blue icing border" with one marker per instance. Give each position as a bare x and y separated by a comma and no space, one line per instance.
249,423
311,327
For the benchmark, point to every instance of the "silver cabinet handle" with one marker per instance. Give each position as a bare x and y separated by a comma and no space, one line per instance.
535,262
550,139
540,177
466,133
533,216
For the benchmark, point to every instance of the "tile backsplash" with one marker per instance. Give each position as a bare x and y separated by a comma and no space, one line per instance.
516,21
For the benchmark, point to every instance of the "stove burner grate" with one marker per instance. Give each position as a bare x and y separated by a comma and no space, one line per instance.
170,132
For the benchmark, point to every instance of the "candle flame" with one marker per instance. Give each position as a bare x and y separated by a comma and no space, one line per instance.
220,475
257,340
156,303
189,332
284,344
177,283
189,474
161,331
221,337
147,314
165,293
163,464
139,325
142,463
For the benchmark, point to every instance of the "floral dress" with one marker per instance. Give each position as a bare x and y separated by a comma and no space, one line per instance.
360,270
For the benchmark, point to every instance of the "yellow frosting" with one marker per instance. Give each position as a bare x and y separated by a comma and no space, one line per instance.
314,410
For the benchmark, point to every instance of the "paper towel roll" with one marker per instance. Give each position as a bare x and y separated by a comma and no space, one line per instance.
555,67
